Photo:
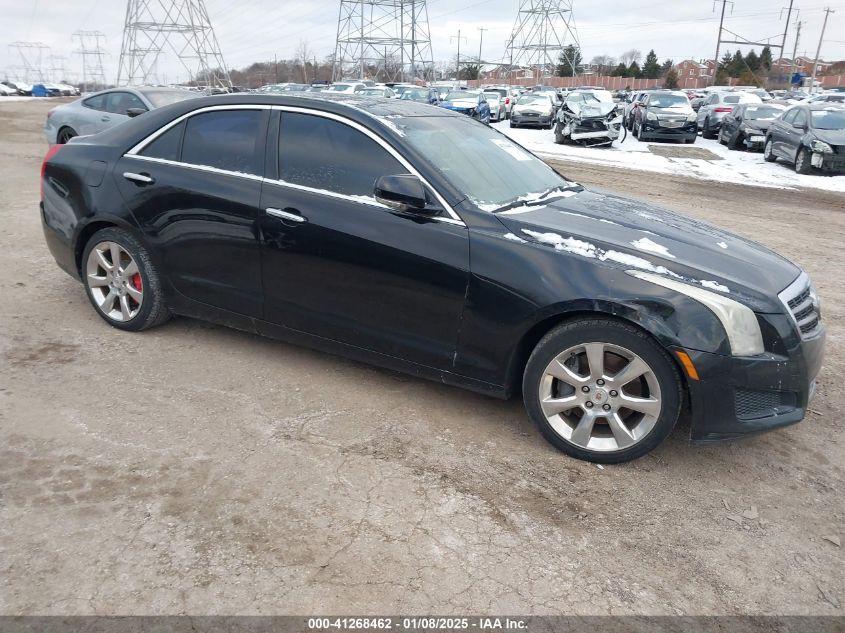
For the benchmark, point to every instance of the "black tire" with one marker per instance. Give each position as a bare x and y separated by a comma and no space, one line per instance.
65,134
691,140
768,151
735,142
630,124
513,124
803,165
706,132
153,309
612,332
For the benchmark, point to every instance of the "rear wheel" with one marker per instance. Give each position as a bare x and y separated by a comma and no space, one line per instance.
768,151
122,282
65,134
735,142
602,390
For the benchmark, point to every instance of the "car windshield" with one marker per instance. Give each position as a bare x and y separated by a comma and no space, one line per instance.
533,100
763,113
731,99
372,92
492,96
667,101
161,98
460,94
415,95
591,97
340,87
832,119
486,166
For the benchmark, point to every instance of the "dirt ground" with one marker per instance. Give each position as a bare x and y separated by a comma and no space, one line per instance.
195,469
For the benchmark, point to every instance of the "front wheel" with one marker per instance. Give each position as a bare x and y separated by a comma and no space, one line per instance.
602,390
121,281
803,165
768,151
706,132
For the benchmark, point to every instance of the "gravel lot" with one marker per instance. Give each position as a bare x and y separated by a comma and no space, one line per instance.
195,469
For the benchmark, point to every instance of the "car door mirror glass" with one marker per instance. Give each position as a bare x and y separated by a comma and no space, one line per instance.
402,192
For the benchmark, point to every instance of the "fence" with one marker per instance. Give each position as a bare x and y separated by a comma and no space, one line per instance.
618,83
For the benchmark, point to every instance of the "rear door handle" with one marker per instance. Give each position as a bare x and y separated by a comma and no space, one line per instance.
285,214
144,179
105,118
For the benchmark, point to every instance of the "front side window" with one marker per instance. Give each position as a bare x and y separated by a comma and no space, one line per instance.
321,153
226,139
789,117
800,119
121,102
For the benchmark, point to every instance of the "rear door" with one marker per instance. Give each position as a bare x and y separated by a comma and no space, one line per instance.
194,190
341,266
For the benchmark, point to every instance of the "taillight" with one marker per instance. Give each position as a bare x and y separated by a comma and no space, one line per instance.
723,110
50,113
50,153
507,100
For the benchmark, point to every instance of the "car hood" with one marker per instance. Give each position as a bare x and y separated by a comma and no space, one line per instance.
832,137
539,107
759,124
631,234
461,103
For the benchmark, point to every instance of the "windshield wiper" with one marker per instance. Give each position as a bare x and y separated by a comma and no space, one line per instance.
539,199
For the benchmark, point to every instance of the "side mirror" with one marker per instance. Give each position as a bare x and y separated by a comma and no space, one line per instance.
133,112
401,192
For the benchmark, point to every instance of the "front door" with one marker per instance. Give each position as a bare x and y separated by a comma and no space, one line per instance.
339,265
194,192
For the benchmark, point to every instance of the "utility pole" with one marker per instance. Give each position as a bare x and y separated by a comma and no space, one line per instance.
794,51
719,41
786,28
458,73
827,13
480,43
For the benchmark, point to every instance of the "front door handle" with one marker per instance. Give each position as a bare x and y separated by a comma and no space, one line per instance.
143,179
105,118
285,214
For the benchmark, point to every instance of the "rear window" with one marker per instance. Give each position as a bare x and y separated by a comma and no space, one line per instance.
731,99
97,102
167,145
226,140
161,98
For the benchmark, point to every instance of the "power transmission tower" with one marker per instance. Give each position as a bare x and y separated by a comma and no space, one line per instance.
542,31
57,69
91,50
32,55
179,27
390,35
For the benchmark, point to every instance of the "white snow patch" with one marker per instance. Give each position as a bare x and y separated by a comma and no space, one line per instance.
713,285
390,124
645,244
636,262
524,209
743,168
721,245
514,238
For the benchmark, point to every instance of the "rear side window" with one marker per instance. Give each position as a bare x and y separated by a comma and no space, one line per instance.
324,154
168,145
800,118
95,103
226,140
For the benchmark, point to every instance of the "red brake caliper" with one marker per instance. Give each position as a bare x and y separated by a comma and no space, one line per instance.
136,281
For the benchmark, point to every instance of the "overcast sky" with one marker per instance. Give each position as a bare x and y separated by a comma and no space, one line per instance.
255,30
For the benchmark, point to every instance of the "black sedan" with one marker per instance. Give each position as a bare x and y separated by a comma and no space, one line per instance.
358,226
810,137
746,125
667,115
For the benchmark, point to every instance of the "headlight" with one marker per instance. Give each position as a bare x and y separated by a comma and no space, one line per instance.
692,117
739,321
651,116
550,113
821,146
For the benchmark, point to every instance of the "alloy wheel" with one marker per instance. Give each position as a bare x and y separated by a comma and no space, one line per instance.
114,281
600,397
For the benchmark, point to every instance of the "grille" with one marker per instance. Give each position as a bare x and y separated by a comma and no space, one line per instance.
801,302
757,404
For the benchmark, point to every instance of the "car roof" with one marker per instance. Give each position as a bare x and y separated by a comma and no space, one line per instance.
827,105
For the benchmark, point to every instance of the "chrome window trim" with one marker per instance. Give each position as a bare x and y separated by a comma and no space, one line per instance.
453,218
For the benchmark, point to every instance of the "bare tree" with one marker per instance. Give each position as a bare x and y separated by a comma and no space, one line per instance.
603,63
631,56
303,55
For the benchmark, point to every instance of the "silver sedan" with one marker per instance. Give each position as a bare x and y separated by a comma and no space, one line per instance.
96,112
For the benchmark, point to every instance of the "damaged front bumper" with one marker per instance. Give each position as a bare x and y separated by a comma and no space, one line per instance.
829,162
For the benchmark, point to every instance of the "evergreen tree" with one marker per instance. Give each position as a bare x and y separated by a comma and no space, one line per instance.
766,59
752,62
634,70
620,71
725,63
651,69
672,79
667,66
737,64
569,62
